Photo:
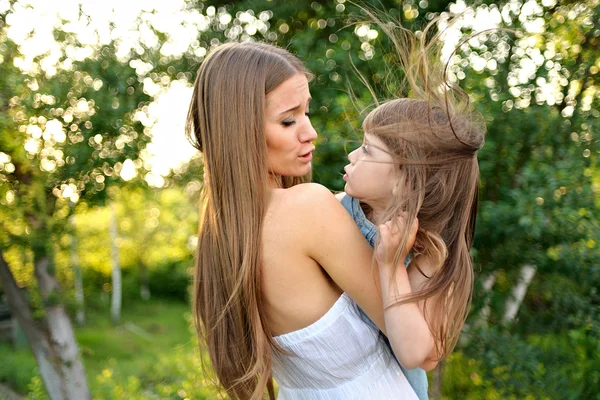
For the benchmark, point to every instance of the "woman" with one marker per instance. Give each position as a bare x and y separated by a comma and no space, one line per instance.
281,265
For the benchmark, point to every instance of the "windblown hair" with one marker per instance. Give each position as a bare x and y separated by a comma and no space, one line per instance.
433,135
226,123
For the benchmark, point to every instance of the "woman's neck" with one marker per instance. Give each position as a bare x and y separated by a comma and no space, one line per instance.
275,181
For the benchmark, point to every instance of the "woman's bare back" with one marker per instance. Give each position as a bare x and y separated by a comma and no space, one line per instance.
296,290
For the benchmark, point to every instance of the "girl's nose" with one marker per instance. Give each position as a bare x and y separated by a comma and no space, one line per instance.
352,156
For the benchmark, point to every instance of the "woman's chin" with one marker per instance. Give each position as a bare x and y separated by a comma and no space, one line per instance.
296,173
306,169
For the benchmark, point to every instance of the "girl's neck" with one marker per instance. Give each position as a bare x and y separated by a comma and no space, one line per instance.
374,213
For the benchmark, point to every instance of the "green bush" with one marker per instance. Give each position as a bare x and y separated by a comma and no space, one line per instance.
502,365
17,367
170,281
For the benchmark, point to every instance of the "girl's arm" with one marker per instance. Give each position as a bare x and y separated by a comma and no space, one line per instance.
417,283
408,332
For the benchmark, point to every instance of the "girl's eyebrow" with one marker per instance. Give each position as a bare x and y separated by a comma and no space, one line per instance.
366,142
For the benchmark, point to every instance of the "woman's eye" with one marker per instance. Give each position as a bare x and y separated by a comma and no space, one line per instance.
287,124
308,114
364,149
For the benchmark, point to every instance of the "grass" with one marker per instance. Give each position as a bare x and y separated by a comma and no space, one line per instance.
161,328
17,368
150,335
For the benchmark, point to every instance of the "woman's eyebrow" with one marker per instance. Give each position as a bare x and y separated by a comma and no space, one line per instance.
296,107
290,109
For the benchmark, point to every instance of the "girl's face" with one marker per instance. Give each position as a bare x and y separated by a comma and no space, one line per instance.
371,174
288,130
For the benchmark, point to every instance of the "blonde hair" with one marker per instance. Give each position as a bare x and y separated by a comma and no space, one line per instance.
434,136
226,123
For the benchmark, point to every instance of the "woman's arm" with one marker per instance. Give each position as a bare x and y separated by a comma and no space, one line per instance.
335,242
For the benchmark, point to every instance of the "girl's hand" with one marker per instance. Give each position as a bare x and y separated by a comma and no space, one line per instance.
390,238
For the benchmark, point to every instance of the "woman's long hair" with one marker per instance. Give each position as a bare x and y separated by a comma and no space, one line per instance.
434,134
226,123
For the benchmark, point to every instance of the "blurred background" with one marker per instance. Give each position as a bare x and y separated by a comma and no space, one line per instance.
99,188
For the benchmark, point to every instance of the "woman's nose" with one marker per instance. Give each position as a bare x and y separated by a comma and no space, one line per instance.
308,134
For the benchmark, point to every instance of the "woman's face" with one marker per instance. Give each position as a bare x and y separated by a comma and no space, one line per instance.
371,174
288,130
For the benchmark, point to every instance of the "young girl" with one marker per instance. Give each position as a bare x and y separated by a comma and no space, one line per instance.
419,156
280,265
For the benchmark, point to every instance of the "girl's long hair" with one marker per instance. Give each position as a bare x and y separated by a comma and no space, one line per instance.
226,123
433,133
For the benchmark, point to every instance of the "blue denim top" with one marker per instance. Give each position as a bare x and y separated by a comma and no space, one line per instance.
416,377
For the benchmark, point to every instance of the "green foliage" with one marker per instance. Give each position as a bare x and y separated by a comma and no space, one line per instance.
17,367
500,365
171,281
36,388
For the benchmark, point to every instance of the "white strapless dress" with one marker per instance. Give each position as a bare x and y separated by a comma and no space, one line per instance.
339,357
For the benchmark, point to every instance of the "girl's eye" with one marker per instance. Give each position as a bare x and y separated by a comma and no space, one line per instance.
364,149
308,114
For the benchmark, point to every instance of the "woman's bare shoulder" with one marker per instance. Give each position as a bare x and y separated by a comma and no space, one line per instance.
305,196
306,204
340,196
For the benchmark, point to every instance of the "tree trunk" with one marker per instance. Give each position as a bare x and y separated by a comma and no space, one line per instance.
518,293
484,314
115,310
53,344
79,299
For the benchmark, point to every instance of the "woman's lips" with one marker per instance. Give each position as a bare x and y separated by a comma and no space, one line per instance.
307,157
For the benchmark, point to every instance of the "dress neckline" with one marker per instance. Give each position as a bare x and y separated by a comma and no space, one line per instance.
323,322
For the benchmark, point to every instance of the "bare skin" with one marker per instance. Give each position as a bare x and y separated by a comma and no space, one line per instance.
312,252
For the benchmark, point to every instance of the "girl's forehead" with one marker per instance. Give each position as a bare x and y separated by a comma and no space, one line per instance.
374,140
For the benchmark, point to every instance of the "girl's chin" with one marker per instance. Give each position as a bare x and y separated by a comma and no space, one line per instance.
348,190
